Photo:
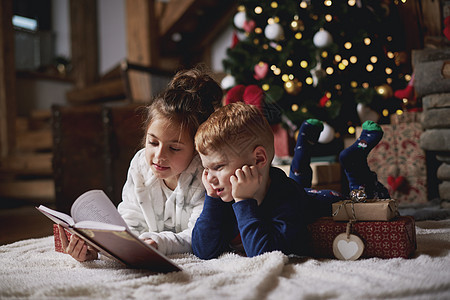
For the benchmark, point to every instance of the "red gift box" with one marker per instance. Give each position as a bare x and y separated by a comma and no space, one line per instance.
383,239
58,244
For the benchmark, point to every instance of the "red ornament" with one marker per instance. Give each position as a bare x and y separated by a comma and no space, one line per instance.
249,26
235,40
323,101
261,70
447,27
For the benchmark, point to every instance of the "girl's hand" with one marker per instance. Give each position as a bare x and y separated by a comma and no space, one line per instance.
245,183
209,190
76,247
151,243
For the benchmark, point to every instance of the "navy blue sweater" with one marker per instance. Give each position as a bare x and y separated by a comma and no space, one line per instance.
279,223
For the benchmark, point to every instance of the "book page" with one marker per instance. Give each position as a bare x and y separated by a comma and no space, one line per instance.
56,216
95,205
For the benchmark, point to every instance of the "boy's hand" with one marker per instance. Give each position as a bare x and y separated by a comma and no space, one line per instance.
245,183
209,190
76,248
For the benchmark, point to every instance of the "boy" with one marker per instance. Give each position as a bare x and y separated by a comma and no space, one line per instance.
251,206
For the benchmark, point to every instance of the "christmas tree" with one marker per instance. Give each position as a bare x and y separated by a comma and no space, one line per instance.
319,59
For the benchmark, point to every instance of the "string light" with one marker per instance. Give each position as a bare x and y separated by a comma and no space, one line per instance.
369,68
389,80
265,87
328,18
353,59
274,4
373,59
294,107
278,48
348,45
353,84
289,63
324,54
303,4
329,70
258,10
390,55
338,87
408,77
273,67
258,30
276,20
351,2
291,77
277,71
399,112
327,3
298,35
337,58
241,8
341,66
270,21
367,41
256,41
365,85
385,112
285,77
265,46
388,71
309,80
304,110
345,62
304,64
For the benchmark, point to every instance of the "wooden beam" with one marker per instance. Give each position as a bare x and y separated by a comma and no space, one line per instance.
7,80
104,90
84,41
142,32
173,13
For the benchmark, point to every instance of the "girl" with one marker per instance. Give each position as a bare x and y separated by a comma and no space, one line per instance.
163,194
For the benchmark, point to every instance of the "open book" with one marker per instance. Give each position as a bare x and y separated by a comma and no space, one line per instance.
96,220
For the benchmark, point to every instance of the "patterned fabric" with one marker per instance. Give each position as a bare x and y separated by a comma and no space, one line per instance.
400,163
383,239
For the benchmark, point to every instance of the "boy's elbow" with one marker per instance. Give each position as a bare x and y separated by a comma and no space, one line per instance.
202,254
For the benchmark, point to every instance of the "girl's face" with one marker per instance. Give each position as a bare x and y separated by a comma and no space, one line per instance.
168,149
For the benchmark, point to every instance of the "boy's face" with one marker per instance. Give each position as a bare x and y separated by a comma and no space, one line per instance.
168,150
220,168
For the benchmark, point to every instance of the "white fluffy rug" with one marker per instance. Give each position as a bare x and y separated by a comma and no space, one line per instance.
32,269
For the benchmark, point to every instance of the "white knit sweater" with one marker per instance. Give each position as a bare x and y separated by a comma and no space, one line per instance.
145,208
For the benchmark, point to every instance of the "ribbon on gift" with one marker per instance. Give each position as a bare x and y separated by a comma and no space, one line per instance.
359,196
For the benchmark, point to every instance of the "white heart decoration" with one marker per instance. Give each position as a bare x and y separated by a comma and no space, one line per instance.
347,249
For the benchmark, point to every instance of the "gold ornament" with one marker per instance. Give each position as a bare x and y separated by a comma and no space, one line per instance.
293,87
385,91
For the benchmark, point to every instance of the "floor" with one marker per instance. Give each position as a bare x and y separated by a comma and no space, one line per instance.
23,221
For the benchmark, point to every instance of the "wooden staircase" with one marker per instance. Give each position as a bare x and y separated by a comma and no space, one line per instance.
27,173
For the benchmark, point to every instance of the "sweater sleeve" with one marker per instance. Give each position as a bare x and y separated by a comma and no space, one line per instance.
214,229
170,242
129,208
262,231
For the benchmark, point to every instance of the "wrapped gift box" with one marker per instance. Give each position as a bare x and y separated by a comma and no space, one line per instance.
58,244
383,239
381,210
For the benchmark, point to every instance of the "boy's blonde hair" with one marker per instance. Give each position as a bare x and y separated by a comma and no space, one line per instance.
236,127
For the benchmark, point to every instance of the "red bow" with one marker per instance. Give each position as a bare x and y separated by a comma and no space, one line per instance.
251,94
